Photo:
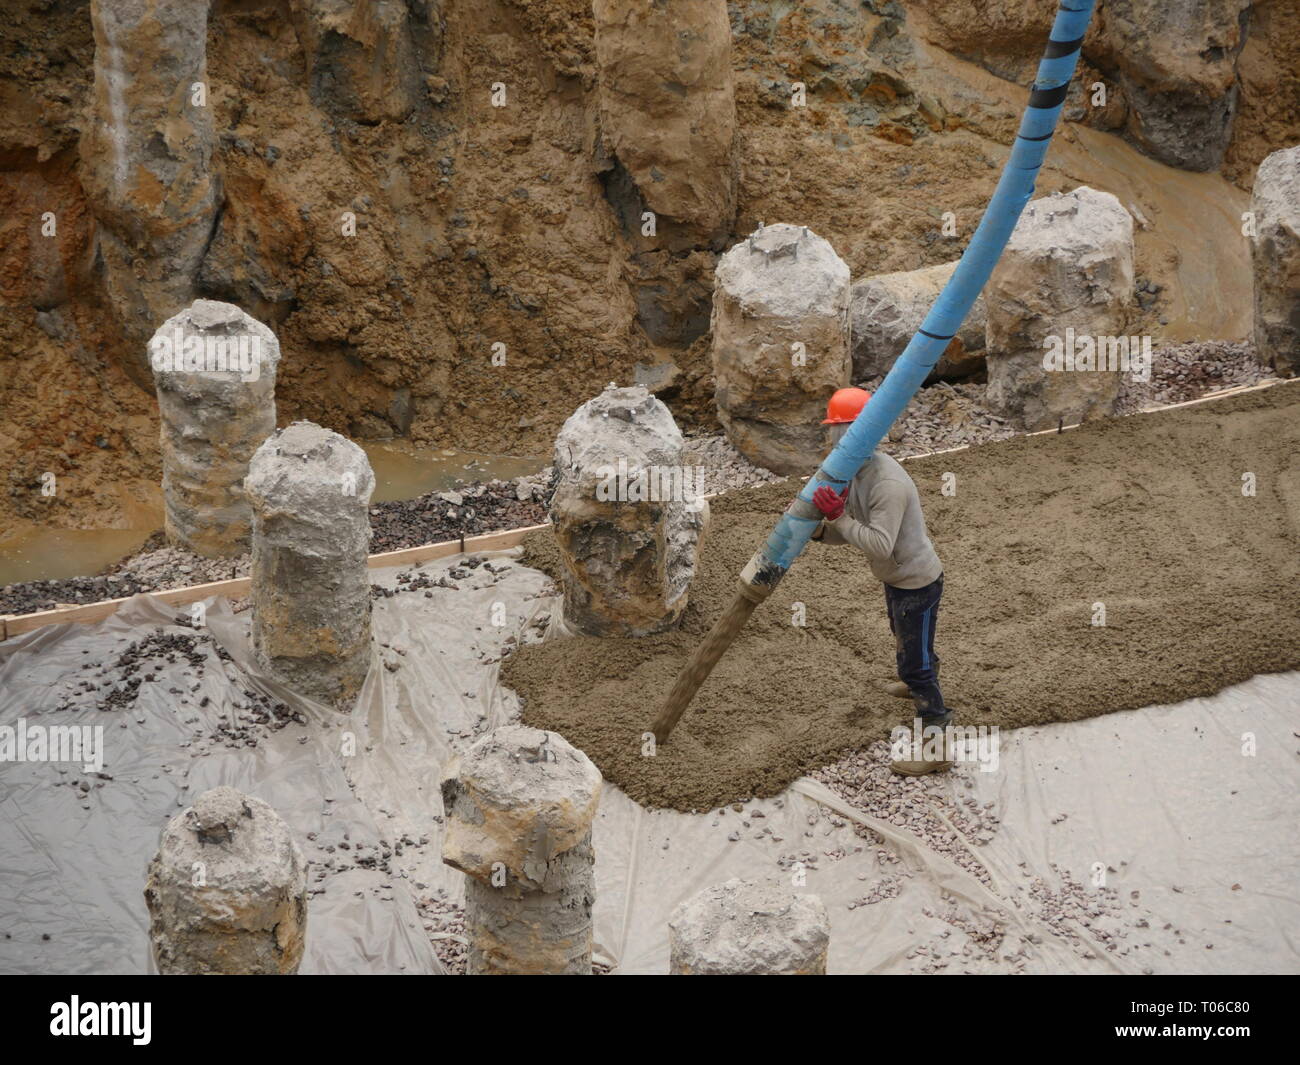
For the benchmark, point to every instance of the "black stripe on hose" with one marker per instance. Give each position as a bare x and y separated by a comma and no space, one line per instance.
1045,98
935,336
1056,49
1044,137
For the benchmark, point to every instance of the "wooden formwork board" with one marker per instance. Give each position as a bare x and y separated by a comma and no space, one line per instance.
15,624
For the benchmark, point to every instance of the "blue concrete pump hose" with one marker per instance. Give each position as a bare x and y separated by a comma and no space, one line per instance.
1015,189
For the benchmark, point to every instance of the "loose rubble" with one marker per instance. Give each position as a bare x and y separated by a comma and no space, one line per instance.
947,415
1088,919
918,805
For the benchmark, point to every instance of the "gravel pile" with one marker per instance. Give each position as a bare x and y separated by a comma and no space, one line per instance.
947,415
164,567
725,468
28,597
1186,371
468,511
444,924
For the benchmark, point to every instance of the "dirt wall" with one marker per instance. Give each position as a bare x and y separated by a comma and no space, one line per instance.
481,225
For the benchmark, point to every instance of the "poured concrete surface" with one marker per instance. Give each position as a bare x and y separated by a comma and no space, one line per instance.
1144,514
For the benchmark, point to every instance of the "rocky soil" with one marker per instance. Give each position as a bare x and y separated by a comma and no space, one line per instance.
479,225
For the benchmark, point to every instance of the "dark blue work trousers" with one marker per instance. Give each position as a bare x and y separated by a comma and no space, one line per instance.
913,614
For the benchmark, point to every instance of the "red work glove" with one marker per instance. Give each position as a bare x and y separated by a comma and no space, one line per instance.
829,501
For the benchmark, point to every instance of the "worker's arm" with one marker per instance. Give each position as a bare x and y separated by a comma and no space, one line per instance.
876,537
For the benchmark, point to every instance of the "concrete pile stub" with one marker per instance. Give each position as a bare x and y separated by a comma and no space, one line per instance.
519,807
214,374
886,310
668,109
362,61
149,155
310,492
749,928
1064,287
628,515
227,891
1176,64
1275,258
780,344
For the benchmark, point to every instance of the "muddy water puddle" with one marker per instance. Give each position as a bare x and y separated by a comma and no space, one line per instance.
33,552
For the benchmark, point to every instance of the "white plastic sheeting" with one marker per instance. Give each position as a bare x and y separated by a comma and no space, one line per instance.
76,875
1165,797
1162,802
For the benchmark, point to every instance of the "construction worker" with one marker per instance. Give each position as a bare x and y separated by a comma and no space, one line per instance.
879,513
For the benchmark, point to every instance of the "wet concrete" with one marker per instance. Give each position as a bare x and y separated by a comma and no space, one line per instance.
1144,515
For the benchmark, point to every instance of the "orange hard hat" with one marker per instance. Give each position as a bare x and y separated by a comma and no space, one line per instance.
845,405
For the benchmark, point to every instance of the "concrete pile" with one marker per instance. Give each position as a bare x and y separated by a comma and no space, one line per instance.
362,62
227,891
668,110
749,928
519,806
1058,304
1170,67
149,155
1176,63
214,373
628,515
1275,258
310,492
885,312
780,344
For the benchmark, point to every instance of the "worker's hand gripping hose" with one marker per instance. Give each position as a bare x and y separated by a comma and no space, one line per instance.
1015,188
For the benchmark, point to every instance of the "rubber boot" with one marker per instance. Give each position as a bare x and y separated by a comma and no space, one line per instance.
908,767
